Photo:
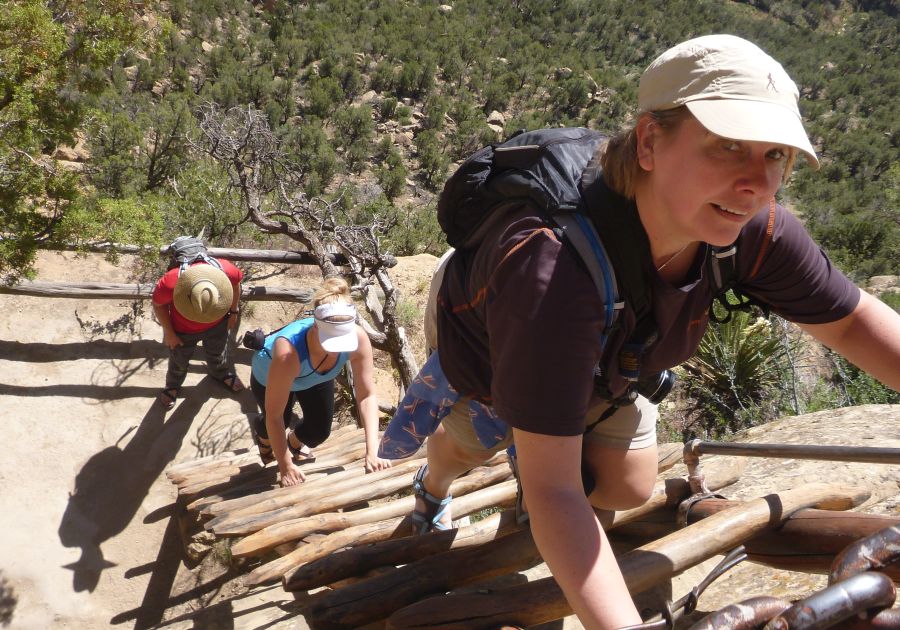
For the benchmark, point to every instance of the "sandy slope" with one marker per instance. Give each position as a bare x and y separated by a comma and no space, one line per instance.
87,541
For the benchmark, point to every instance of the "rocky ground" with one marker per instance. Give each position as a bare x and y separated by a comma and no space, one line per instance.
86,510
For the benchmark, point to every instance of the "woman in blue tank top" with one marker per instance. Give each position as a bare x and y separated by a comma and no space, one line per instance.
298,364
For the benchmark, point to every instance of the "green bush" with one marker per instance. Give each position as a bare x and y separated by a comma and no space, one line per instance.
849,386
736,378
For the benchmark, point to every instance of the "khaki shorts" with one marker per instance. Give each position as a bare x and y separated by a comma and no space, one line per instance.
631,427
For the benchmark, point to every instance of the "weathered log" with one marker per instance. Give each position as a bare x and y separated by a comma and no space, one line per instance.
252,488
376,597
241,525
183,468
178,473
290,493
355,561
137,291
542,600
255,471
228,253
282,531
323,497
466,503
230,478
808,541
364,557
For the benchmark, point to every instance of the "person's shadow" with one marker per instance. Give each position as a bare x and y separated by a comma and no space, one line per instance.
113,483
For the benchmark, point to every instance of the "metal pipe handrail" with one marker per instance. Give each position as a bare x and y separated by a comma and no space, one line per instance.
871,455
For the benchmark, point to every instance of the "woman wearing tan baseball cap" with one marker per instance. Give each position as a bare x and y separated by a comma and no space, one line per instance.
522,325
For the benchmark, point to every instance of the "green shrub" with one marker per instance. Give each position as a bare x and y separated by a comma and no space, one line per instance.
736,377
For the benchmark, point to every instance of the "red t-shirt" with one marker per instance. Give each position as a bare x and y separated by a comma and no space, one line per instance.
165,288
520,319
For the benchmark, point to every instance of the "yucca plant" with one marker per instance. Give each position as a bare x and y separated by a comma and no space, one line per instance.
736,377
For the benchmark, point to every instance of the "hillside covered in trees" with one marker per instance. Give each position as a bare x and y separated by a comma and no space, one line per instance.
376,100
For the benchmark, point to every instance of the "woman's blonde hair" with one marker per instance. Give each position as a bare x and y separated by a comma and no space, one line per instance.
618,155
333,289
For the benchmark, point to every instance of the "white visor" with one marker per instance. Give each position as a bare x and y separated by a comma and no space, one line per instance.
336,323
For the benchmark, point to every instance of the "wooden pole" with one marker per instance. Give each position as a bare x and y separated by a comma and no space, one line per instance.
375,598
465,504
361,558
364,557
249,255
325,497
808,541
542,600
283,531
137,291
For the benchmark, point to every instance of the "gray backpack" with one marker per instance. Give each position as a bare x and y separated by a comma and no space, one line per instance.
186,250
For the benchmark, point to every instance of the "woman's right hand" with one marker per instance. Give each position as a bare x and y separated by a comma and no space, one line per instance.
291,475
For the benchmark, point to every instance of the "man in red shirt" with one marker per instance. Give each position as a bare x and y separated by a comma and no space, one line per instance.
198,304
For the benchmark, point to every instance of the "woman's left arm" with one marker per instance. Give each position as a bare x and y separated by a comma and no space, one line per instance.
869,337
363,366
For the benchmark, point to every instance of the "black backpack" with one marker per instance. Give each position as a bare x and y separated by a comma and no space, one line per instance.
186,250
551,170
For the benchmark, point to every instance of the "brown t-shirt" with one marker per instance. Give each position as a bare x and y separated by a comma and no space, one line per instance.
520,320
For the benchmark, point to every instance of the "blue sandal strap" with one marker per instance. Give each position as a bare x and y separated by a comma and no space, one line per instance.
425,522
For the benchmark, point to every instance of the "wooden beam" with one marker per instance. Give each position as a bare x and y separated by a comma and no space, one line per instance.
137,291
248,255
542,600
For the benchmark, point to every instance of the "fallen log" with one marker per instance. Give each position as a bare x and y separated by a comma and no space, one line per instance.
466,503
542,600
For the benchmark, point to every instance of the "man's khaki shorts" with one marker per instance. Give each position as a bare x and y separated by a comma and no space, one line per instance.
631,427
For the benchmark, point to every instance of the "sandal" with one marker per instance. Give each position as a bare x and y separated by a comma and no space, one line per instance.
435,508
233,382
299,452
168,397
263,444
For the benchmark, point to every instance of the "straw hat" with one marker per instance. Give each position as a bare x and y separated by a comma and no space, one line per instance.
203,294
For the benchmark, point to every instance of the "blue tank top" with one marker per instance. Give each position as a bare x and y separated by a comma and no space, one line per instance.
295,332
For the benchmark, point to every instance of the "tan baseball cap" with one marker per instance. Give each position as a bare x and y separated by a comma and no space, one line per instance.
732,87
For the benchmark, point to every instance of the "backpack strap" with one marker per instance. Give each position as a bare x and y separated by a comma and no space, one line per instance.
200,257
722,269
629,252
580,233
